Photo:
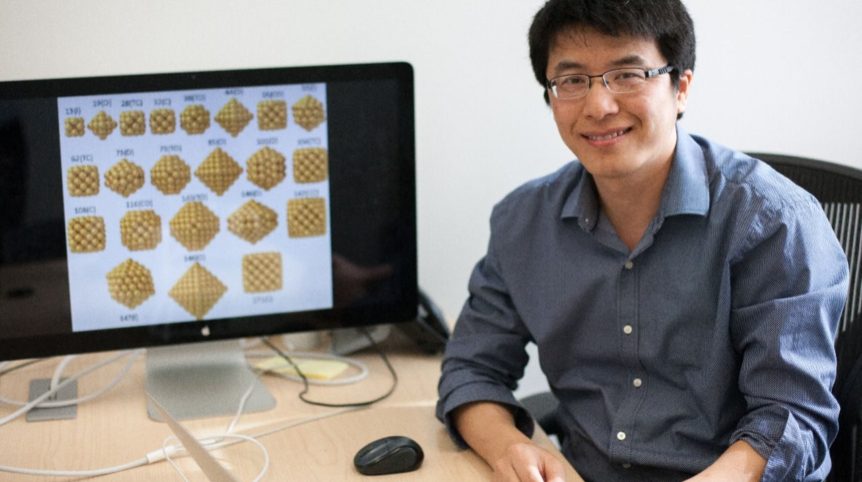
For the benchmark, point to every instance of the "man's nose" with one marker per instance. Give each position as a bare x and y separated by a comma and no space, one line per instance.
599,101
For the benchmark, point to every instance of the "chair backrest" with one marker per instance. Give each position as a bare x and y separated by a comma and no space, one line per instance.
839,190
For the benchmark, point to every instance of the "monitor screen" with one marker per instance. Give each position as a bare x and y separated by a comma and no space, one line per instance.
160,209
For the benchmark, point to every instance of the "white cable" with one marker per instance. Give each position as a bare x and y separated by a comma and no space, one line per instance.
63,403
36,401
58,372
210,444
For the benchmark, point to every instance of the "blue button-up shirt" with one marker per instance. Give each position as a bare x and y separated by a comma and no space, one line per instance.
717,327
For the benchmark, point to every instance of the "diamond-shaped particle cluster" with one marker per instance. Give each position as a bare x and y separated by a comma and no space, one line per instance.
130,283
252,221
170,174
124,178
218,171
266,168
141,230
197,291
194,226
233,117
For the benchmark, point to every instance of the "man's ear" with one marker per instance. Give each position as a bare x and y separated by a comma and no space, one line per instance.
685,79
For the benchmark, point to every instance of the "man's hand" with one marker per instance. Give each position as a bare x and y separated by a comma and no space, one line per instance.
489,429
739,462
527,462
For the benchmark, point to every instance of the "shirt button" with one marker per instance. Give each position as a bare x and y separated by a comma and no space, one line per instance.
637,382
627,329
629,264
627,466
621,436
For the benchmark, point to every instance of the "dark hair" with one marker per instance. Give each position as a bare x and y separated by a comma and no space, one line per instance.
666,21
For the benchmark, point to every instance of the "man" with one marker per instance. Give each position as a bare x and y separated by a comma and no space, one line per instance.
683,297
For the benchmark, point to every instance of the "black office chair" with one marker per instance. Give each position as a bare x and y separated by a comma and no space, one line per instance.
839,190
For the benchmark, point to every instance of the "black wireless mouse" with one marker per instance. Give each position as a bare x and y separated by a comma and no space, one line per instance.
389,455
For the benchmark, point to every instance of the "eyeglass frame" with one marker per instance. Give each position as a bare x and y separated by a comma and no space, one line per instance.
551,84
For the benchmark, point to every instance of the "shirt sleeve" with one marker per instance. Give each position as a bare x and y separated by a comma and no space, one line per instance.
789,287
486,355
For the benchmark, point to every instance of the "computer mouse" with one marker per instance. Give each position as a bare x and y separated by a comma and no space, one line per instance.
389,455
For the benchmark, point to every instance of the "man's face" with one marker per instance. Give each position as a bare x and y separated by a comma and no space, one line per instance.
627,137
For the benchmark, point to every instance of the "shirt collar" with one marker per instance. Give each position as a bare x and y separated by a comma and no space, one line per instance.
686,190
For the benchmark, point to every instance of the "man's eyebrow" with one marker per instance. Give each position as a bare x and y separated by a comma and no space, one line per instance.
571,65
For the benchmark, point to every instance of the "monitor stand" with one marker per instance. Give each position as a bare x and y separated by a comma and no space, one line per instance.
203,380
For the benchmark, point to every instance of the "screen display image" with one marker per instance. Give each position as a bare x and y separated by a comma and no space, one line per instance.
160,209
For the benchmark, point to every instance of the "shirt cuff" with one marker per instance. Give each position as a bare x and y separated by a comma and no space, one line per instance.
481,392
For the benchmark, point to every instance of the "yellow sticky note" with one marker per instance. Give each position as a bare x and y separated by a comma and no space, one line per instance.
321,369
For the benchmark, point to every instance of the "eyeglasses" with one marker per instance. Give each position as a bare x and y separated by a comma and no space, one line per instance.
618,81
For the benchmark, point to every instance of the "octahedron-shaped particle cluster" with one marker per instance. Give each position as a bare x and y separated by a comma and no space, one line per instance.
86,234
125,177
74,126
197,291
261,272
233,117
141,230
102,125
266,168
310,164
130,283
308,113
194,226
306,217
133,123
252,221
170,174
271,115
163,121
83,181
195,119
218,171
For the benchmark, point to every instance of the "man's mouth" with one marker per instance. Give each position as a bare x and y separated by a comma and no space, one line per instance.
606,136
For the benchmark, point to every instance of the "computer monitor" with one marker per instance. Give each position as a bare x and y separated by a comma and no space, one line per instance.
166,209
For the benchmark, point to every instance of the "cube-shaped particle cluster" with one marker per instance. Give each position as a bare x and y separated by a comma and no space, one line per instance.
271,115
233,117
252,221
163,121
308,112
306,217
170,174
130,283
261,272
194,226
141,230
83,180
310,164
197,291
86,234
218,171
133,123
74,126
125,177
266,168
102,125
195,119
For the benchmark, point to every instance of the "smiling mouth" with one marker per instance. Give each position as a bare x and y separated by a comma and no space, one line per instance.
608,136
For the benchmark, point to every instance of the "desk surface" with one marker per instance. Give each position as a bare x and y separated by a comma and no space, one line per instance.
114,428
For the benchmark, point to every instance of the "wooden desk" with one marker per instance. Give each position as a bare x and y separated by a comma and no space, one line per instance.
114,428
